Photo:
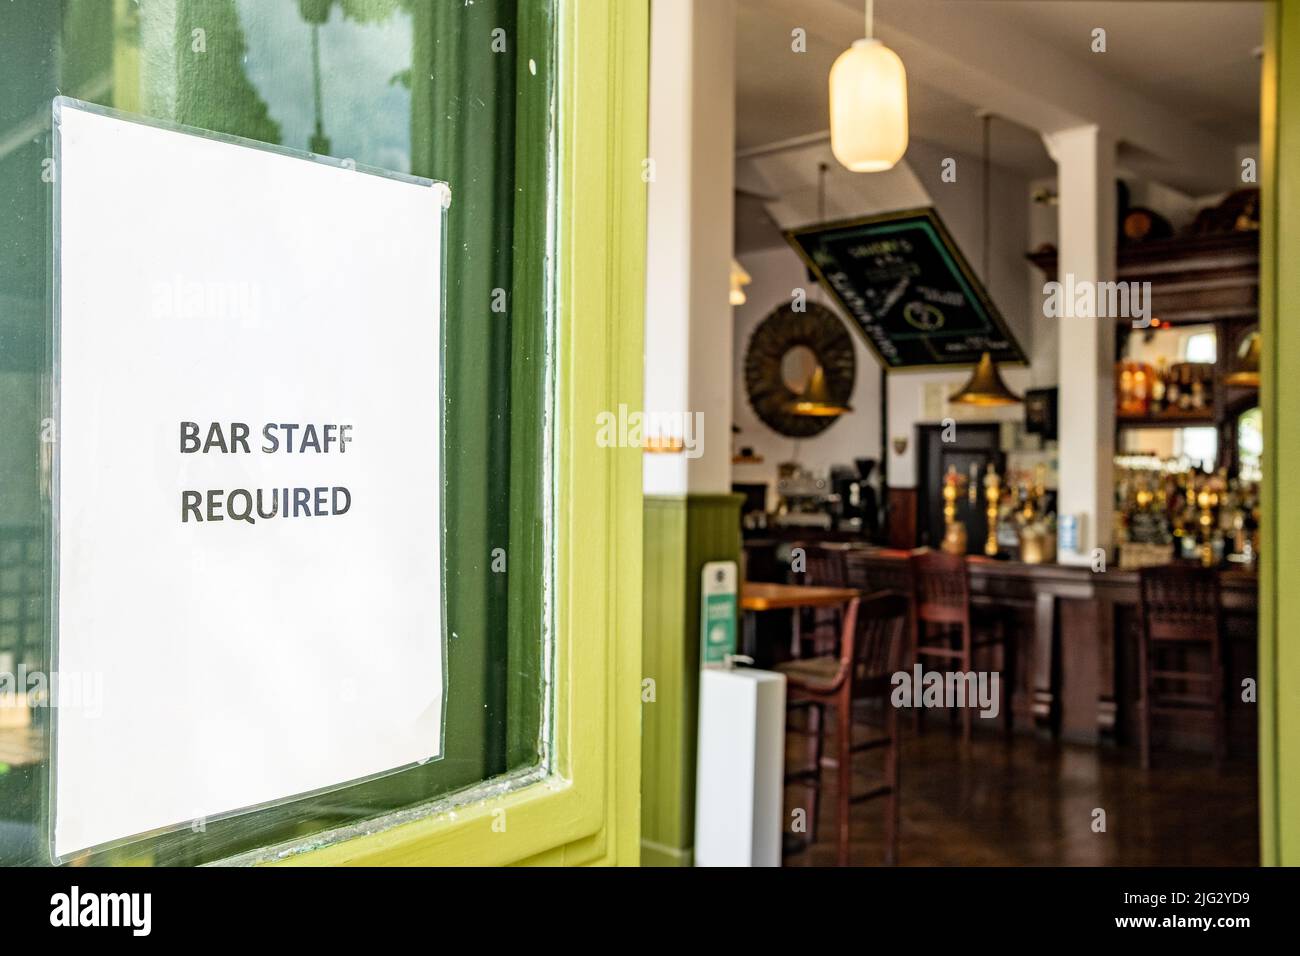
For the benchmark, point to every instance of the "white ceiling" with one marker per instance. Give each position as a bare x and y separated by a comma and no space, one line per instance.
1199,59
1195,60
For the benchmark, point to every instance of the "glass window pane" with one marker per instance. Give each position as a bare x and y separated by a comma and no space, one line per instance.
1200,347
1198,445
413,86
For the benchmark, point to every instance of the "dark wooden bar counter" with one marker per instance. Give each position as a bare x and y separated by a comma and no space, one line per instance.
1077,637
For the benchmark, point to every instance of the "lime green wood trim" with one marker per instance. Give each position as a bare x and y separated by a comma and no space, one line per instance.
1279,652
681,535
658,855
1268,243
585,808
664,837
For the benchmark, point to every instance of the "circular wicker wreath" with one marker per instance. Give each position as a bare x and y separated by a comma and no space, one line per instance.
821,331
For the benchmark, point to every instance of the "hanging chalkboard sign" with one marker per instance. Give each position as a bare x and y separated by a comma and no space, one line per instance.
908,288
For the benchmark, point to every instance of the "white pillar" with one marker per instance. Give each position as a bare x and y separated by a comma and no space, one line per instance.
1085,160
688,332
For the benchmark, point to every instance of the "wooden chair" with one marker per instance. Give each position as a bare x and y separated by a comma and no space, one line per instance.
1181,618
817,630
868,573
942,627
872,647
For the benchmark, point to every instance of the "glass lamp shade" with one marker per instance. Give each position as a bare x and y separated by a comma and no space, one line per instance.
868,107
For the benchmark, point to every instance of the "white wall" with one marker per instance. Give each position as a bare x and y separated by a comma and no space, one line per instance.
920,397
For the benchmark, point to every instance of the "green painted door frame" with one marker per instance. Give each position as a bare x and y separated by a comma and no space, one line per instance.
1279,598
585,809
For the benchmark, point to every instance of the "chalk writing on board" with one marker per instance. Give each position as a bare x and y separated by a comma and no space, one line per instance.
908,289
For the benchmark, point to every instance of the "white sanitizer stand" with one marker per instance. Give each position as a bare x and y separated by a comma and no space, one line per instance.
740,768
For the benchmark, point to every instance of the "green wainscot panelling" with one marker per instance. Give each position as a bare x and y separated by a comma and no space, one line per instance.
682,534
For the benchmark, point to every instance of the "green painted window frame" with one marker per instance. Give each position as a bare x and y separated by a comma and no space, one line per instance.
584,806
580,804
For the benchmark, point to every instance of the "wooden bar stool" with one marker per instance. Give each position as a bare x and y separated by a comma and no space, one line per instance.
941,626
817,629
872,647
1182,617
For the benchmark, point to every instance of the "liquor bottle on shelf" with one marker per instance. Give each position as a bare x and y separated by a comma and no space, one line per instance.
1164,510
1158,387
1172,389
1133,389
1198,394
1141,390
1239,523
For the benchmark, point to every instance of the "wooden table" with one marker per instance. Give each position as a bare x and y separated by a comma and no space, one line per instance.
758,596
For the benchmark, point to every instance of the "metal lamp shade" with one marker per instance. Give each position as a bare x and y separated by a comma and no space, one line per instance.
1247,371
986,387
816,401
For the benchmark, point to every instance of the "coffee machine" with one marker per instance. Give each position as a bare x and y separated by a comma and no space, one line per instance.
856,505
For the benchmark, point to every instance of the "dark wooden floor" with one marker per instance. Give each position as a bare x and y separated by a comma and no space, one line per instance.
1030,802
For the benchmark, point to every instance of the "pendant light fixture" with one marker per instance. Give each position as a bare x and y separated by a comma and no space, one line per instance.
739,279
986,387
815,400
1247,372
868,105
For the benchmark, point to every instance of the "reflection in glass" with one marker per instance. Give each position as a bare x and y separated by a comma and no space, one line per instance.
1250,445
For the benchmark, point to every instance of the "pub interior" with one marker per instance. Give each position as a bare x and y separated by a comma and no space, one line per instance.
994,421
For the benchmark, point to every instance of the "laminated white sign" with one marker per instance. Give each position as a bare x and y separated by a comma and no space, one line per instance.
247,483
